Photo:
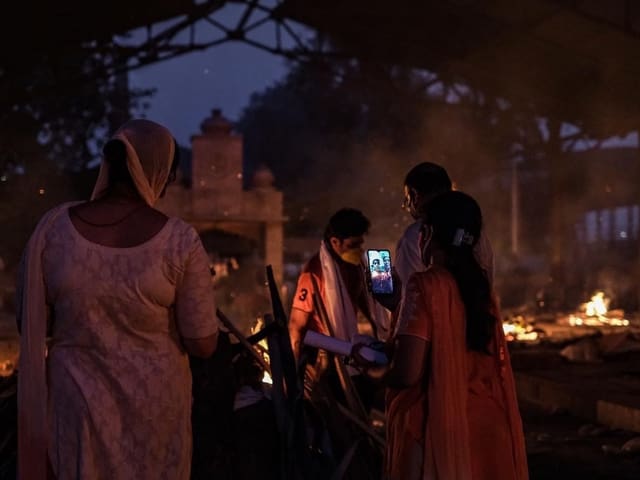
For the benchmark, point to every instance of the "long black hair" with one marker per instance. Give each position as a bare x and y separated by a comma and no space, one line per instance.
456,221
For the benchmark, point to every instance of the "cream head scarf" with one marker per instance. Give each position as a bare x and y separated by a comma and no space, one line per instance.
150,149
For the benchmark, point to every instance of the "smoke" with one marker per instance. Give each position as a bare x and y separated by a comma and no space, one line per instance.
504,125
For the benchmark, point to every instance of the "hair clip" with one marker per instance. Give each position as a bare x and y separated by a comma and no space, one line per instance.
462,236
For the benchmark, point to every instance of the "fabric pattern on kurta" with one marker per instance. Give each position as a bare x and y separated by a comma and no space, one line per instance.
119,381
462,422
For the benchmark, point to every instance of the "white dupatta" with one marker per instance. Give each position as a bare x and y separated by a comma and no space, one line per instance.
340,309
32,381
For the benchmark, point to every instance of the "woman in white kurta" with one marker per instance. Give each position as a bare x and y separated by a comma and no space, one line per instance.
128,293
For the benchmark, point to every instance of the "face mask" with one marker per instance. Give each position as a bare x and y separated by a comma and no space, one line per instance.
352,256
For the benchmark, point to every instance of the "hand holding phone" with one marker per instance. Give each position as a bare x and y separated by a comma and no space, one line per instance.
379,262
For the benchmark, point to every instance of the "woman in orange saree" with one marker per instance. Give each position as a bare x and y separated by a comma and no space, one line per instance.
452,412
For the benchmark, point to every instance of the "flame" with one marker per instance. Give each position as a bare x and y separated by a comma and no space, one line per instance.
266,378
594,313
598,306
259,325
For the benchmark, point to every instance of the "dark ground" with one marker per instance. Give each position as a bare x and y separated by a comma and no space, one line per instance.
561,446
564,446
558,446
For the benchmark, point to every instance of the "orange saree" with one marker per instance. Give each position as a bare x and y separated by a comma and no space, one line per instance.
462,422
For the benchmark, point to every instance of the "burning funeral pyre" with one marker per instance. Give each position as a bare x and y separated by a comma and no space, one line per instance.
592,317
519,329
596,313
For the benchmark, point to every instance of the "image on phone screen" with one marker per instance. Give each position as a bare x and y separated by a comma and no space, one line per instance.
380,269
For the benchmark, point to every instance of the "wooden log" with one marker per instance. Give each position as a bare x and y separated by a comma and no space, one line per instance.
243,340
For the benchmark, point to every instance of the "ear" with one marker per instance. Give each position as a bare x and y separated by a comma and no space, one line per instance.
413,195
336,243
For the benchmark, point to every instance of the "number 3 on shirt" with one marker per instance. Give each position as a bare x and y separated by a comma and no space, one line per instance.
303,294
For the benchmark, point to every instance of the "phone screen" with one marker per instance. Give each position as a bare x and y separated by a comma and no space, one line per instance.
380,270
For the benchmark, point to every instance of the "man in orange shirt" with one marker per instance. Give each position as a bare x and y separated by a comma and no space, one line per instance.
339,273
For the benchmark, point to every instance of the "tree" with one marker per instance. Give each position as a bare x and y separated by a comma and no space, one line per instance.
339,133
55,110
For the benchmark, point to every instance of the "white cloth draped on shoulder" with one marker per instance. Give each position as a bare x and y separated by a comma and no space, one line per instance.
32,385
340,308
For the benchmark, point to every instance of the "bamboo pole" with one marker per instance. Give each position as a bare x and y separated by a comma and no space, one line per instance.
363,426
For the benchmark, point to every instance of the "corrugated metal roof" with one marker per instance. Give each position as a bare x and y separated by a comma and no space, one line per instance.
579,60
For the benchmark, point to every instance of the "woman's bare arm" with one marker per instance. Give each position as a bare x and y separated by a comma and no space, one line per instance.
201,347
408,365
409,362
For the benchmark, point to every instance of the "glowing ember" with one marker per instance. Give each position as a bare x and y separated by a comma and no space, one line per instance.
8,355
6,368
598,321
516,329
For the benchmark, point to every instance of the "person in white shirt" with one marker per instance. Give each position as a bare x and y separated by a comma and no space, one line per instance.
424,182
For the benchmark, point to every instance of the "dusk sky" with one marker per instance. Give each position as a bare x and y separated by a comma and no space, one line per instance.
225,76
190,86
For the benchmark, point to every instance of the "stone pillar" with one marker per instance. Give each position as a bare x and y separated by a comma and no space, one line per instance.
264,201
216,169
273,248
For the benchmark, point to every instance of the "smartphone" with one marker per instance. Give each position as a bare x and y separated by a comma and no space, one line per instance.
380,271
